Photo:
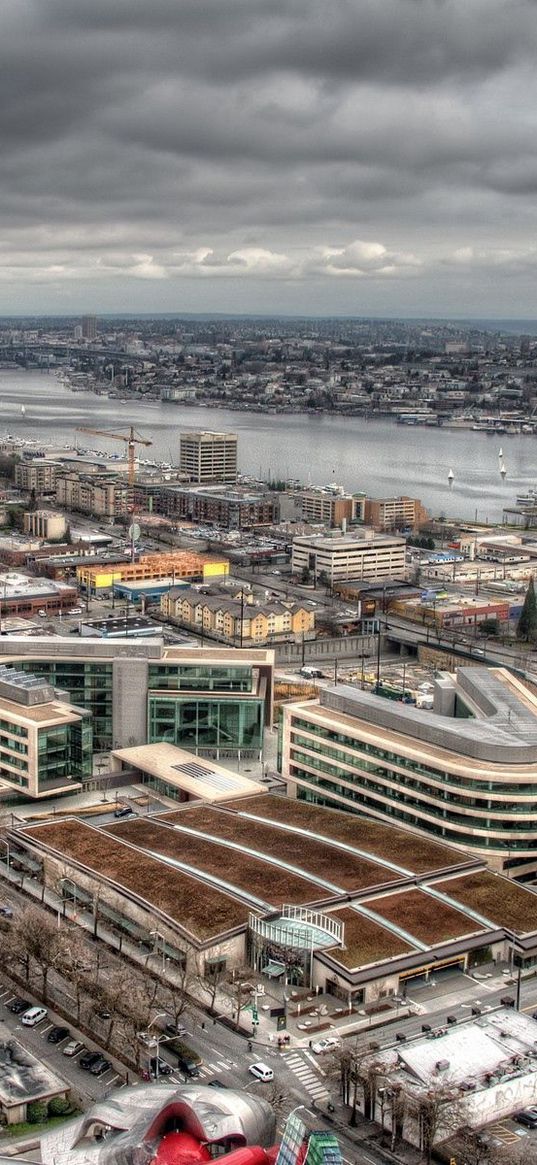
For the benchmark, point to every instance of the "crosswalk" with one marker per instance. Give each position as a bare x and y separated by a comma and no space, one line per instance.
207,1071
307,1076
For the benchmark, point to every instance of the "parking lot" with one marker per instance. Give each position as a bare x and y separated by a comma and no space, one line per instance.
51,1054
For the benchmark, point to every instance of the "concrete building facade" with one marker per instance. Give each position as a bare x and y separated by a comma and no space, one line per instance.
38,474
330,507
465,772
362,555
105,495
207,456
45,524
45,742
385,514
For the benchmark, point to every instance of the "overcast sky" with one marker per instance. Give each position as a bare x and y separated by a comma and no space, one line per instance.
317,156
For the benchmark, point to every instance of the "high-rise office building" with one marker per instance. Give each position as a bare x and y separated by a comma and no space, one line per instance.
207,456
89,327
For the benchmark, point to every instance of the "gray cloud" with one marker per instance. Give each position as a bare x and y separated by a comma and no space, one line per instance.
149,149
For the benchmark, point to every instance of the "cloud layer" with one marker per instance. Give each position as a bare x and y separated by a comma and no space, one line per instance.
299,155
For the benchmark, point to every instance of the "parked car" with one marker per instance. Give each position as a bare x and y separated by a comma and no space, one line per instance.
326,1045
261,1072
160,1067
147,1039
527,1117
17,1005
6,912
124,811
216,1084
57,1034
99,1066
33,1016
88,1059
73,1048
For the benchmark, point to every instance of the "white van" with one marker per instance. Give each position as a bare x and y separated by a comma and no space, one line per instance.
34,1015
261,1072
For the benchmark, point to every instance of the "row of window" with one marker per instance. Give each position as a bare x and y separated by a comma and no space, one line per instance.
357,747
360,767
363,803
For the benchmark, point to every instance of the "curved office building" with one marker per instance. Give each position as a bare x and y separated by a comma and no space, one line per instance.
465,772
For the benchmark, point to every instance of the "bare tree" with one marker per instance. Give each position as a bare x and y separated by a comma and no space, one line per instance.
238,988
210,977
41,941
473,1148
173,998
359,1070
439,1113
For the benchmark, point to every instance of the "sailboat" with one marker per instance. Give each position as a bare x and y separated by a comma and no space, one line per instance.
23,410
450,478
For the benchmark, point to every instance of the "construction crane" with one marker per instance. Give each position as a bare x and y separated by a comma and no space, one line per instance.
130,441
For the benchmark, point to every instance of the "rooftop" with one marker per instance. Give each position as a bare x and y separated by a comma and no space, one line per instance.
479,1052
169,891
22,1076
202,779
502,728
398,849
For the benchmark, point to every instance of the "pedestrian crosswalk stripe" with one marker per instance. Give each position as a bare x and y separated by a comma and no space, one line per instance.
307,1076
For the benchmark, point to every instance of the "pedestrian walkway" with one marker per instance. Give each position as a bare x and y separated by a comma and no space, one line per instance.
308,1077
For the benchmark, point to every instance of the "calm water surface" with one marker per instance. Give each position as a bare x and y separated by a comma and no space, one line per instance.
377,456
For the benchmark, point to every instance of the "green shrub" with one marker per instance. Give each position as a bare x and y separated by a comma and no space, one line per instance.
59,1106
36,1112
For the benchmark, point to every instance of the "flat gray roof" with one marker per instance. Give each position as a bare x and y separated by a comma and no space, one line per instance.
503,728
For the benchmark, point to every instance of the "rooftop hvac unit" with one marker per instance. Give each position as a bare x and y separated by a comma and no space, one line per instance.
442,1065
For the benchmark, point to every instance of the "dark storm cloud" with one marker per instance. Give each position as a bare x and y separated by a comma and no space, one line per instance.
309,142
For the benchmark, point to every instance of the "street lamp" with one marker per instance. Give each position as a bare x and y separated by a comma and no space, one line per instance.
160,936
158,1040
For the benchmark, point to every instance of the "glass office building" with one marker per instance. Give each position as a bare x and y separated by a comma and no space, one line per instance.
205,700
469,781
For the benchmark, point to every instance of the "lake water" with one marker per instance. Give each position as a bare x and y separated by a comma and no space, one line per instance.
377,456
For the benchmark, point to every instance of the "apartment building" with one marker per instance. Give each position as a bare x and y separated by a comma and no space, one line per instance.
230,509
362,555
104,495
45,742
38,475
330,507
465,773
207,456
385,514
237,620
210,700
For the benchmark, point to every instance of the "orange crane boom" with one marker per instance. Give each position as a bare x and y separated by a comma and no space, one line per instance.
130,440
